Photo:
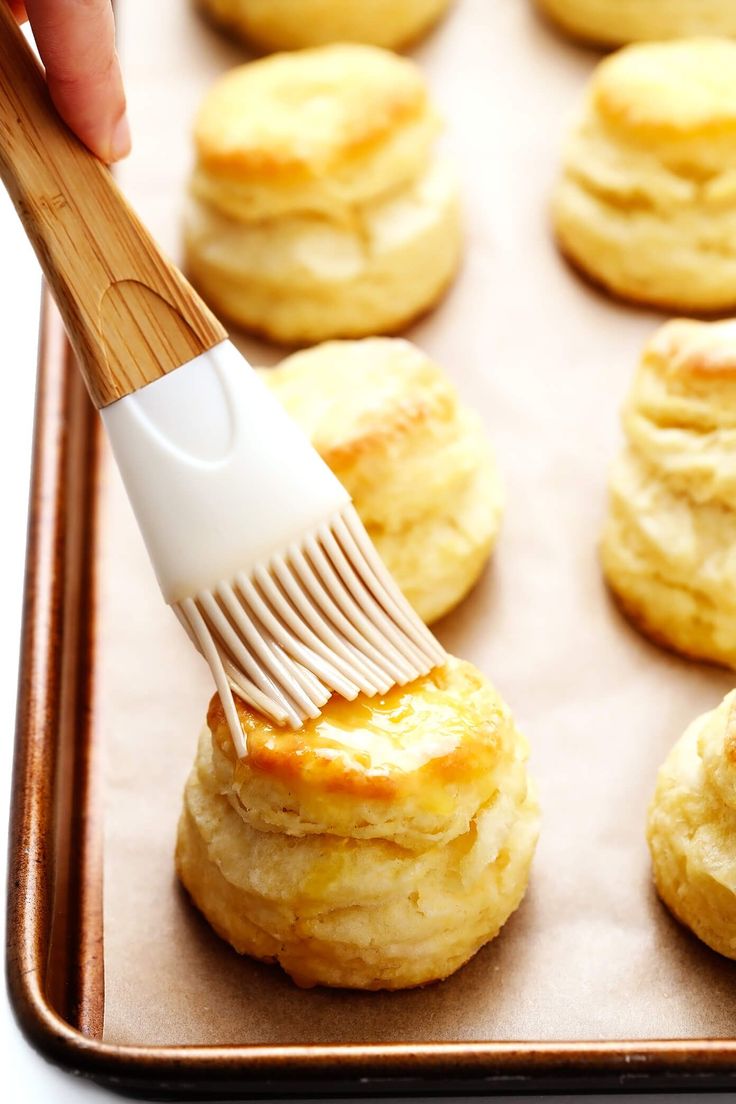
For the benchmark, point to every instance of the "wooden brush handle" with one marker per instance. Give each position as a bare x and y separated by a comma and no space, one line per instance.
130,314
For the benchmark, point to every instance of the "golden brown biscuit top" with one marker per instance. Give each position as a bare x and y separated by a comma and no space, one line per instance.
296,115
684,88
442,730
356,397
702,350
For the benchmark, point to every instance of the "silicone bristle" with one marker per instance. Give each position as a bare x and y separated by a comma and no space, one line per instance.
325,617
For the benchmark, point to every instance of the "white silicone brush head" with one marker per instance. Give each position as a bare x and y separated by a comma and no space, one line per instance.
257,547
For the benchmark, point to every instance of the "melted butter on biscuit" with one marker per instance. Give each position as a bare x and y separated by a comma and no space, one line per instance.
413,737
393,732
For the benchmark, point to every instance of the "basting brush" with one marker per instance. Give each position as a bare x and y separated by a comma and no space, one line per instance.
255,544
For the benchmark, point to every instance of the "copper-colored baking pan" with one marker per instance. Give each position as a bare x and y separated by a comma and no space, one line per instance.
56,936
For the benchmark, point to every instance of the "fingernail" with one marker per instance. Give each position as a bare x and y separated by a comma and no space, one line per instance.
120,141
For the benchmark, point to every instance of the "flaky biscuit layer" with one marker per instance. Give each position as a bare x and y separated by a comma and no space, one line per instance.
646,202
318,208
298,279
669,545
692,828
379,848
411,767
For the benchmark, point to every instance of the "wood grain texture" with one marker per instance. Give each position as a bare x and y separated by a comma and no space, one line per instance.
130,314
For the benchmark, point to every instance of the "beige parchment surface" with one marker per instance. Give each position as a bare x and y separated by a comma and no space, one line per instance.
547,361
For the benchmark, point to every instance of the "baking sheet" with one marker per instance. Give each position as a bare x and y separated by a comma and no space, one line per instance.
547,362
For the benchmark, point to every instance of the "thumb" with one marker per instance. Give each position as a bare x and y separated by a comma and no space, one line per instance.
76,41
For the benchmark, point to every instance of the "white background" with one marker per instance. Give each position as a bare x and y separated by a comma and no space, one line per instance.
25,1076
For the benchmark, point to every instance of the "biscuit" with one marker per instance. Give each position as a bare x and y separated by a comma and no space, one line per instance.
377,848
646,201
669,544
416,463
318,208
294,24
692,828
615,22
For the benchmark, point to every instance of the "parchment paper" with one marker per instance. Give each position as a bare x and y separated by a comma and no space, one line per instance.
547,361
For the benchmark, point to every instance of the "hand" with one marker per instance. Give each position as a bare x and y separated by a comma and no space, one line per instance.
76,41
